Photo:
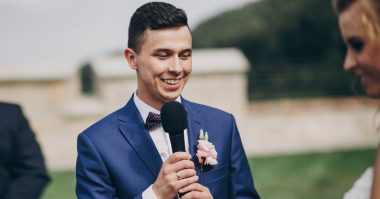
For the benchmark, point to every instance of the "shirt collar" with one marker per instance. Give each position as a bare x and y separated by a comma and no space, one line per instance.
144,108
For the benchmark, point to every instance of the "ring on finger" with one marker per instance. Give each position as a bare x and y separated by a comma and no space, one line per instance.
178,176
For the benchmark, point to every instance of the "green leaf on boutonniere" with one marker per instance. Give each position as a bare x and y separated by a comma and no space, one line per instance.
203,135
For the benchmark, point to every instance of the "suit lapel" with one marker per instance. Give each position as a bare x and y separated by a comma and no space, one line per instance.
138,137
132,128
195,123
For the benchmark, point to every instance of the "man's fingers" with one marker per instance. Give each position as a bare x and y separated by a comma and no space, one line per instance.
193,187
195,191
193,195
178,156
186,182
186,173
181,165
178,166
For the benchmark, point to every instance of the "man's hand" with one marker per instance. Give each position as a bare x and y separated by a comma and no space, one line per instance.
176,172
196,191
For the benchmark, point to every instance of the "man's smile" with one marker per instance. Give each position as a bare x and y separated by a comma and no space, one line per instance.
171,81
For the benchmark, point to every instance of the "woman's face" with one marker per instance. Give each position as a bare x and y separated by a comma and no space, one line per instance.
363,48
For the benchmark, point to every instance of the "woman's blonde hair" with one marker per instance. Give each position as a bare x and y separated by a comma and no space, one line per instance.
370,16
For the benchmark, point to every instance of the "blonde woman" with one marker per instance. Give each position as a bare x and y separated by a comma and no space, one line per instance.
359,22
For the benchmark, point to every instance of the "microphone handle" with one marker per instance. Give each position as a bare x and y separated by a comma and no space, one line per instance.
177,141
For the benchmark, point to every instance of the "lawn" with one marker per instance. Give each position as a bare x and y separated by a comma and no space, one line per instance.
311,176
62,186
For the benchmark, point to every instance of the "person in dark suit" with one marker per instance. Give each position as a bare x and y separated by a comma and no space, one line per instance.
23,174
125,155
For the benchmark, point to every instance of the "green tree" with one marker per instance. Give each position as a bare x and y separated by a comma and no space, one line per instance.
294,46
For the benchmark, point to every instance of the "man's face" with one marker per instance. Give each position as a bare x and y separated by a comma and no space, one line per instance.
163,65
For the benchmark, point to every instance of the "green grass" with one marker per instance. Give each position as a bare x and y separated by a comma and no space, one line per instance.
62,186
311,176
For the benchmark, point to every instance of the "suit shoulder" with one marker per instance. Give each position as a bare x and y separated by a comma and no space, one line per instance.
11,115
103,126
209,110
9,107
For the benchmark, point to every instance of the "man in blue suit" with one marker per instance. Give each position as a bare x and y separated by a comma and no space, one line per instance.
128,155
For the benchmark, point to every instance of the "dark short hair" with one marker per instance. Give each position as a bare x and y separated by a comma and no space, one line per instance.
153,16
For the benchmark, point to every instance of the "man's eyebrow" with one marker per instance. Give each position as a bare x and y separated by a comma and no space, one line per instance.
165,50
162,50
187,50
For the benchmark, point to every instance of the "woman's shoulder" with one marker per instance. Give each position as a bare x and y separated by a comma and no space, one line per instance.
362,186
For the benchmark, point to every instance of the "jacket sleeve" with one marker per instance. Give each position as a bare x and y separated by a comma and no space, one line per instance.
93,180
28,172
241,182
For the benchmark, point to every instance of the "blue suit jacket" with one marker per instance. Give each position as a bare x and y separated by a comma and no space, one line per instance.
117,158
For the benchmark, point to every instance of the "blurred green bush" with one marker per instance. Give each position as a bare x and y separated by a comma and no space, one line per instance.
294,47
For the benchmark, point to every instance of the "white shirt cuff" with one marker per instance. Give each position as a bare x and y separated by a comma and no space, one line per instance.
149,193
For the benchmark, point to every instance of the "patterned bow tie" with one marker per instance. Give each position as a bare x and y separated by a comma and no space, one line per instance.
153,120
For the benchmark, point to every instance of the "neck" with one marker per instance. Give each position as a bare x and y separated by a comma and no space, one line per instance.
154,104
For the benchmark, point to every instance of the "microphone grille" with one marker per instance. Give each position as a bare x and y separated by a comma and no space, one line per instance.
173,117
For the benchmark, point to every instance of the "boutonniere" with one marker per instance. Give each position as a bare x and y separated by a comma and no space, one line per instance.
206,152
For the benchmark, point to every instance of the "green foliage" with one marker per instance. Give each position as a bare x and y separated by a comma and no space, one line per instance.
295,44
276,30
312,176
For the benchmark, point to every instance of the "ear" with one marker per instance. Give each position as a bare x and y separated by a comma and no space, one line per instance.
131,57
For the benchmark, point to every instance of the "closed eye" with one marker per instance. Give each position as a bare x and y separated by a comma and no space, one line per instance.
162,54
185,54
356,44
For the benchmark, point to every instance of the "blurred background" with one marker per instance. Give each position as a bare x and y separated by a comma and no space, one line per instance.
307,127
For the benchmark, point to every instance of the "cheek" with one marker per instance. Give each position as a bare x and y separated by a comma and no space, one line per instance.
188,70
188,67
371,60
376,60
152,67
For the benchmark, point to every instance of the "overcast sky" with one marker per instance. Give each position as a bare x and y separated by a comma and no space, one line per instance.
71,31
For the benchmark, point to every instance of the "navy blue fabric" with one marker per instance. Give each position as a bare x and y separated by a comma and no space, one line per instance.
117,158
22,170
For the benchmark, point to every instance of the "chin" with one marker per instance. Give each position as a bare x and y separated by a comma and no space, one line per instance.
171,97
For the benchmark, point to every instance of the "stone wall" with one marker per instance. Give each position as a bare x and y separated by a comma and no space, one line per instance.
58,111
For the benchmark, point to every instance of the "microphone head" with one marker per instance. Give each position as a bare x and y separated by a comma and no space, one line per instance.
173,118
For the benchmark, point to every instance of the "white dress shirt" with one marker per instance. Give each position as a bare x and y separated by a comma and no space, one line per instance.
159,136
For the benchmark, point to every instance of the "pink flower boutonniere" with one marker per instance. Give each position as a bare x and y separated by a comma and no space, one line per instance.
206,152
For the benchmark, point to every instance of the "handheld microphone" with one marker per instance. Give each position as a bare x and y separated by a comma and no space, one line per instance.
174,122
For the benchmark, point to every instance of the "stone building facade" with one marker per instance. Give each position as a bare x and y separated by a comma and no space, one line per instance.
53,99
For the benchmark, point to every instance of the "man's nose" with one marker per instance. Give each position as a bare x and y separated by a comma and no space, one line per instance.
176,65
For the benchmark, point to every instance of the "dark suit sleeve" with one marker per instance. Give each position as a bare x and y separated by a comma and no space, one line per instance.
93,180
241,183
28,172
